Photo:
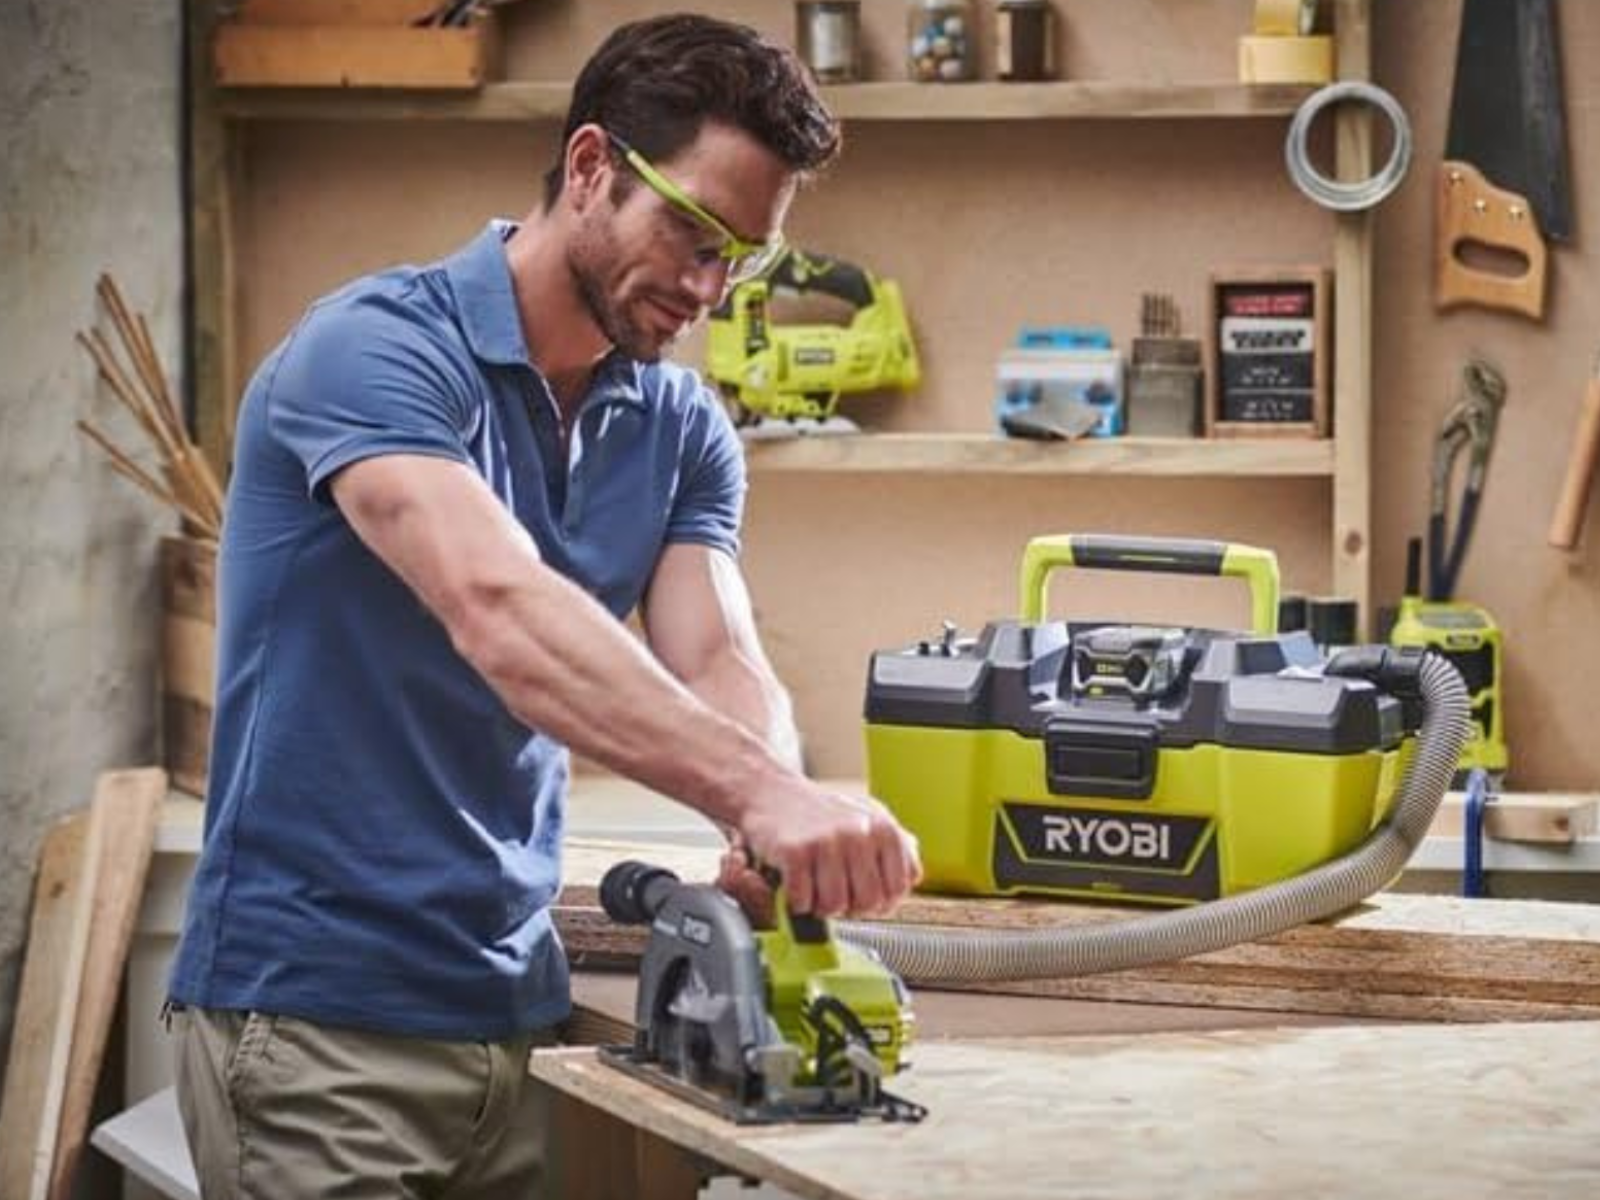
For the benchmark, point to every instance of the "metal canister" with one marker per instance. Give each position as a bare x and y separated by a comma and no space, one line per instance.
828,33
1024,44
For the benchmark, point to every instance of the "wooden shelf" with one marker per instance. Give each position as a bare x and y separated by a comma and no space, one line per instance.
983,454
522,101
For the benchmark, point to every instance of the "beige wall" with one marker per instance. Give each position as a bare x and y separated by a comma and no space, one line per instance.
991,225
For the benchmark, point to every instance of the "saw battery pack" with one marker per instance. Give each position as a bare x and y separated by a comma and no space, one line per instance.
1137,763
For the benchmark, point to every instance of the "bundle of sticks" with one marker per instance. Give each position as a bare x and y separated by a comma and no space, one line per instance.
187,483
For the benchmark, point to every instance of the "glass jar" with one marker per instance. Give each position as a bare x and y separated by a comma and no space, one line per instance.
940,41
1024,41
828,34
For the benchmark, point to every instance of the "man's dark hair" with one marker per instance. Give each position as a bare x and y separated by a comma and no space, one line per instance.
654,83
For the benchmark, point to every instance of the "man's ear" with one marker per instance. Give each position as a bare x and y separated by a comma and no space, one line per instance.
588,166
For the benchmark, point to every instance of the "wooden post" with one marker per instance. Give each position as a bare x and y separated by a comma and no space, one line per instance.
213,170
1352,301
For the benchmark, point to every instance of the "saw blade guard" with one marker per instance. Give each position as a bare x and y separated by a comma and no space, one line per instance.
701,984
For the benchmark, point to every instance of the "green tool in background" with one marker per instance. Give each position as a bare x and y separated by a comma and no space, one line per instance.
1159,764
1467,635
758,1025
1462,631
785,379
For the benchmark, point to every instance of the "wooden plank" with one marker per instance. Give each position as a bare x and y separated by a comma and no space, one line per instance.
214,170
335,12
41,1038
595,1154
988,101
352,56
1352,300
1385,1113
523,100
1524,817
1436,958
603,1013
987,454
126,806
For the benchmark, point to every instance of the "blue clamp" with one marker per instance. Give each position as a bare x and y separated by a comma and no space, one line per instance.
1479,797
1063,337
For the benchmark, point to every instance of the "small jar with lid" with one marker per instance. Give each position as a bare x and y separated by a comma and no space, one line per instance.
1024,43
940,41
828,35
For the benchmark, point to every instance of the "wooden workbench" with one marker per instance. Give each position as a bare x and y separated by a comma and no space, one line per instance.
1301,1065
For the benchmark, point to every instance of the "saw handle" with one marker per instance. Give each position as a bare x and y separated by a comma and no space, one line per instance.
1168,556
1468,208
806,272
1567,524
804,928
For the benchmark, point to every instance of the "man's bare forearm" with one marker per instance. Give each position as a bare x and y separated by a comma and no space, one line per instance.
556,657
747,692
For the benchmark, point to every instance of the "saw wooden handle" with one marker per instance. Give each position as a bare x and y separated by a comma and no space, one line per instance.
1567,524
1471,209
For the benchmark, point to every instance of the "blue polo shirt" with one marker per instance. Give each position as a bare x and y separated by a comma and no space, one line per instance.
382,837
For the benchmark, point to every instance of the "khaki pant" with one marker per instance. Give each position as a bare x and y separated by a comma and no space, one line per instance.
277,1107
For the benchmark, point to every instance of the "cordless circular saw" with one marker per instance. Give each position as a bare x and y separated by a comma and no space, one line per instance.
784,379
761,1026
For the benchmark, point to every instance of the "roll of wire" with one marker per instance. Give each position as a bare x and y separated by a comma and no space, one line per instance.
1332,193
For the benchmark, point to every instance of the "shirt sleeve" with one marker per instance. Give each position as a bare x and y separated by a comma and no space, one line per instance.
709,505
360,381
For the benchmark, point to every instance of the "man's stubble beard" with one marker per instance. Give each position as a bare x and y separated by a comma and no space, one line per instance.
615,324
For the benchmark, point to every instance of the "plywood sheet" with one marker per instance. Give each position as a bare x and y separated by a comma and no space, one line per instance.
1408,1113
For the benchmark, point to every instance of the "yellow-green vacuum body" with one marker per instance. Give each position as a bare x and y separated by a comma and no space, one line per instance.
1136,763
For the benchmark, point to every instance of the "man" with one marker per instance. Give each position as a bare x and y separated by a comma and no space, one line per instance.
449,484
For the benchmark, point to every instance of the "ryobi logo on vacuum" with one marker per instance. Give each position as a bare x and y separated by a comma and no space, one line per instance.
1101,838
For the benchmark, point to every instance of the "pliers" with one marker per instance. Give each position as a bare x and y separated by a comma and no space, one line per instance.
1470,424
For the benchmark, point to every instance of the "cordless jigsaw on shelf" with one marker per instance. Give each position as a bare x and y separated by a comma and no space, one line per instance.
761,1026
785,379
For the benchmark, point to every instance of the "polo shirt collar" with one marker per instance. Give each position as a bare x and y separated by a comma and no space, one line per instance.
481,279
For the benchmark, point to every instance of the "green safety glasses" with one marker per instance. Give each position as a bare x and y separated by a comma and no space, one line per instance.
746,260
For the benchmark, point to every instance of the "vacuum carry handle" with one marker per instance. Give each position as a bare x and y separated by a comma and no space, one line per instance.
1173,556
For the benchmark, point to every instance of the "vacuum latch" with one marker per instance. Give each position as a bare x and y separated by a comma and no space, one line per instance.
1095,759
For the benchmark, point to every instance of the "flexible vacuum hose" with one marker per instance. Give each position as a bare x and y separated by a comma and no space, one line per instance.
925,955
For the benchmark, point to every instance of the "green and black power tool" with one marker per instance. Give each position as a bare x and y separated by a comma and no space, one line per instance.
787,378
759,1025
1164,765
1469,637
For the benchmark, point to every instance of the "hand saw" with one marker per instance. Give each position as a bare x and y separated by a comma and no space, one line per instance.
1503,183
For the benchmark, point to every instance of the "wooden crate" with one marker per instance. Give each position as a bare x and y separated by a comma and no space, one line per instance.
353,45
188,658
1315,283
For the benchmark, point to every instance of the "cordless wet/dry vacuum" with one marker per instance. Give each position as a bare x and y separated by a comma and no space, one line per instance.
1237,774
1141,763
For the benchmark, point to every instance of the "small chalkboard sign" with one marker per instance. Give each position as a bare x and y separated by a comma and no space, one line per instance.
1268,352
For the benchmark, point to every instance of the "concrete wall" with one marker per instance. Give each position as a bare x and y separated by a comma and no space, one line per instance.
89,182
